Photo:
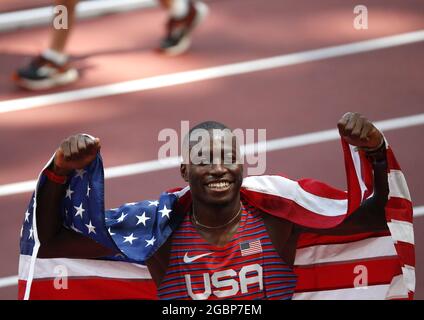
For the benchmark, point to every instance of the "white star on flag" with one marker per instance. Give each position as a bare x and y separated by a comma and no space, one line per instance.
26,216
69,193
90,228
130,238
150,242
142,219
110,232
153,203
122,217
88,190
80,173
80,210
165,212
30,233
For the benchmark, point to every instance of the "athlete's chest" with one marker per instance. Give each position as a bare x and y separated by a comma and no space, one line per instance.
245,267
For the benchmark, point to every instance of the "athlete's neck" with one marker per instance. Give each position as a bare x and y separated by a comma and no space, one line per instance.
216,215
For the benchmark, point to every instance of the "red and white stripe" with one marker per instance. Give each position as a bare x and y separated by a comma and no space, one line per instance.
85,279
327,265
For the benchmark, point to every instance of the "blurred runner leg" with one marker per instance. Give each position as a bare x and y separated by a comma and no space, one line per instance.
51,68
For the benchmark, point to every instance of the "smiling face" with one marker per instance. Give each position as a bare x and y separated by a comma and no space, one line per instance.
213,170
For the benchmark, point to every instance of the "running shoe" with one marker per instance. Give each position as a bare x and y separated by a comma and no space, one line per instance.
43,74
177,39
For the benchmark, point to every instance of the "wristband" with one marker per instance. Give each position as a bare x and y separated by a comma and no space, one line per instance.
371,150
53,177
378,154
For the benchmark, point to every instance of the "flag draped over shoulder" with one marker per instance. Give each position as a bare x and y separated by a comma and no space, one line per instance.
372,265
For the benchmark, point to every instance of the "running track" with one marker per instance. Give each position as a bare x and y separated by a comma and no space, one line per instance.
287,100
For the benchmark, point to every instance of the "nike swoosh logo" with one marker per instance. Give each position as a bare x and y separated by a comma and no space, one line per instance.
188,259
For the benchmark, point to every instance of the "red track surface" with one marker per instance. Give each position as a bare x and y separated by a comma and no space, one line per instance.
303,98
11,6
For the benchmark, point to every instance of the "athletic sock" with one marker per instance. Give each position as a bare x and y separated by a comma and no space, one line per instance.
179,8
55,56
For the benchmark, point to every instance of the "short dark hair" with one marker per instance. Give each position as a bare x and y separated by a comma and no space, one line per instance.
209,125
206,125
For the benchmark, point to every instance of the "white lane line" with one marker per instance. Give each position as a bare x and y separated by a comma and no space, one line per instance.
210,73
13,280
418,211
8,281
87,9
270,145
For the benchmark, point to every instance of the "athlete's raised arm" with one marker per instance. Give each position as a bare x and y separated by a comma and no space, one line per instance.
370,216
75,152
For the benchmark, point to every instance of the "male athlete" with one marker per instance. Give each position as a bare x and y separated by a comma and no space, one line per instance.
52,68
222,247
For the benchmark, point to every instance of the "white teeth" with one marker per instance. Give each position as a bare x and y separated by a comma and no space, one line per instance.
219,185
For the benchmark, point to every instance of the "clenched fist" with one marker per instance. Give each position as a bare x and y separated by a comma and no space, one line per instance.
75,152
359,131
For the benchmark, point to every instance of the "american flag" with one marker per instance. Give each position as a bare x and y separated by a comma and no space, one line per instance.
324,264
250,247
136,228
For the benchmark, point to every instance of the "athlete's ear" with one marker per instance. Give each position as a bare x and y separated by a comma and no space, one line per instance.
183,171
